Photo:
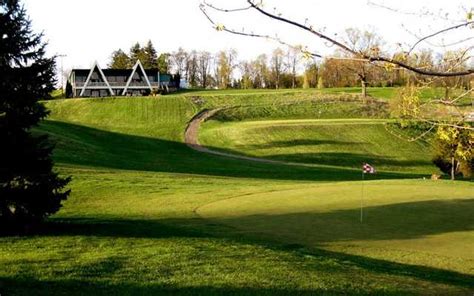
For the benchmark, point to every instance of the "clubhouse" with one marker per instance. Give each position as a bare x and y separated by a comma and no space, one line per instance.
97,82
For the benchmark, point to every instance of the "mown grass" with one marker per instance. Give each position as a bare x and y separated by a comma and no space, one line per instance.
404,221
133,223
346,143
380,92
388,93
316,107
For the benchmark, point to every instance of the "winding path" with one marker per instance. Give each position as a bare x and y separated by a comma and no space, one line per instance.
191,139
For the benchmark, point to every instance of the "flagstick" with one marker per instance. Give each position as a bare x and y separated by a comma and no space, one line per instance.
362,199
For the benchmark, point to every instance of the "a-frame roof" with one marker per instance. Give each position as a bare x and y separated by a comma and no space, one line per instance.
138,66
96,66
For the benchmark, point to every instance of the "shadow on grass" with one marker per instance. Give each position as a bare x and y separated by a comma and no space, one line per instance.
353,160
341,159
25,286
430,274
121,228
301,142
180,228
410,220
80,145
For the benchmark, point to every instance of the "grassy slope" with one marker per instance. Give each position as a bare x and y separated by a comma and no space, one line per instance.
130,226
145,134
343,143
425,93
379,92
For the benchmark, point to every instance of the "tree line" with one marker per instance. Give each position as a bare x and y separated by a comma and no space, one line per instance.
292,67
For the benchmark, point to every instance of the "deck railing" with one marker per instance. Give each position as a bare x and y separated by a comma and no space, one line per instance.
116,84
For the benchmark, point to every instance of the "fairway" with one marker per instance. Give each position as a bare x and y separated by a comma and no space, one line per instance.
149,215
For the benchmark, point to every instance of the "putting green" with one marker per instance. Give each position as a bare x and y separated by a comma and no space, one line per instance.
420,222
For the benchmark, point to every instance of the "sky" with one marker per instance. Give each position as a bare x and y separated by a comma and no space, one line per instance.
90,30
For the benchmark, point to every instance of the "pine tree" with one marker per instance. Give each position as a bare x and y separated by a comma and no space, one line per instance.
119,60
150,55
29,189
136,53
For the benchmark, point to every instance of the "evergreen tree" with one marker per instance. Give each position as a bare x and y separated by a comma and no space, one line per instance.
29,189
150,56
192,68
136,53
120,60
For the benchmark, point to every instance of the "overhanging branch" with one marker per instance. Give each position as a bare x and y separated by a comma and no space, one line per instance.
371,58
440,32
241,33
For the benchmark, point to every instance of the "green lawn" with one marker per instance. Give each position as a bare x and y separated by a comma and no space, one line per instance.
406,222
345,143
148,215
425,93
383,92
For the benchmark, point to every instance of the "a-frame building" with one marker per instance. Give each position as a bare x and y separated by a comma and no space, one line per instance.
98,82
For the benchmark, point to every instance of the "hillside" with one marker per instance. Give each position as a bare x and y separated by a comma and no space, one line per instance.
344,143
150,215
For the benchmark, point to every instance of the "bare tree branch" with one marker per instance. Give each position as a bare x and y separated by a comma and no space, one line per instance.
241,33
420,14
371,58
453,101
226,10
436,123
465,24
412,139
443,45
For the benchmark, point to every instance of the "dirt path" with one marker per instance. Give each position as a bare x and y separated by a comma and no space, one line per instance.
191,139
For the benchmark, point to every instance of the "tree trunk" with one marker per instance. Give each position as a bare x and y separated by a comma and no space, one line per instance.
364,88
452,168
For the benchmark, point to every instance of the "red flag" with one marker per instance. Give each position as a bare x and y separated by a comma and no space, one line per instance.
368,169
